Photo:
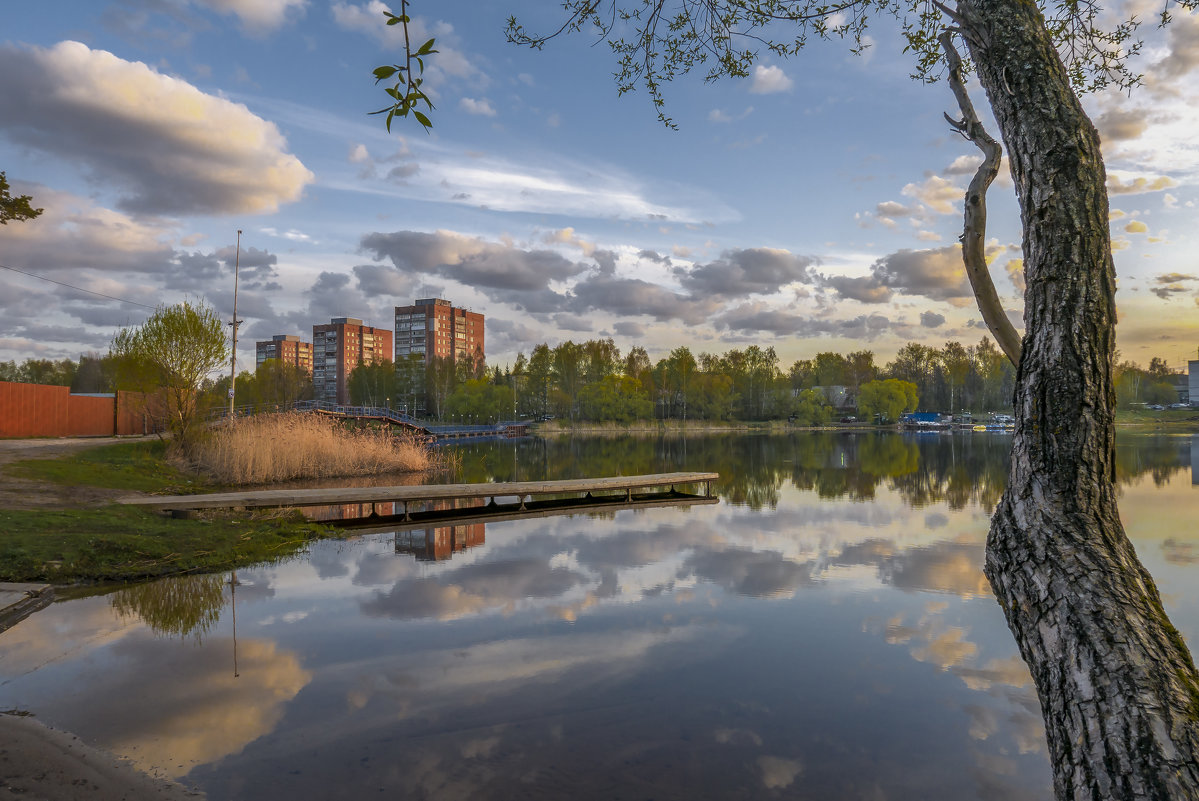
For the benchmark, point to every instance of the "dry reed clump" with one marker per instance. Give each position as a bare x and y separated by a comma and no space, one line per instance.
280,447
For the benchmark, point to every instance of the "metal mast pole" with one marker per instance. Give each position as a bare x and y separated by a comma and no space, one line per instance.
233,359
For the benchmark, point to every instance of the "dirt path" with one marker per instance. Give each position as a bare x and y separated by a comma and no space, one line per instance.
23,493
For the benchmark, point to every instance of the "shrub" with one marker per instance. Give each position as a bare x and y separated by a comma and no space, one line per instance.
280,447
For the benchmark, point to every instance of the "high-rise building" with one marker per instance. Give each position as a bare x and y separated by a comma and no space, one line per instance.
337,348
435,327
287,349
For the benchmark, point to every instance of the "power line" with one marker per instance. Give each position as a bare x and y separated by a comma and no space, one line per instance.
77,288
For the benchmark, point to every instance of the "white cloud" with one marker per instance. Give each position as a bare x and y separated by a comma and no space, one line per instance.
73,234
768,80
482,107
165,146
964,165
936,193
719,115
1139,184
258,16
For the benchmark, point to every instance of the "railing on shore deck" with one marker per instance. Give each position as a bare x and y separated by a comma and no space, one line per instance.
508,428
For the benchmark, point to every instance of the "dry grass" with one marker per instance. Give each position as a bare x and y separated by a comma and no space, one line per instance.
280,447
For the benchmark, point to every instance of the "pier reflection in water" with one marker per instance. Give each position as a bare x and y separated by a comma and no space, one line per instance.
824,631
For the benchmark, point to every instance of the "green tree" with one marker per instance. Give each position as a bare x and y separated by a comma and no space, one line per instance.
811,408
172,353
802,374
1160,392
410,382
615,397
273,383
996,376
15,208
440,380
40,371
569,378
373,384
712,396
678,371
832,369
95,374
956,363
479,400
603,359
888,398
540,377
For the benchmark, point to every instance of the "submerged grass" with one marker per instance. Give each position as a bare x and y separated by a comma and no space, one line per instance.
280,447
121,543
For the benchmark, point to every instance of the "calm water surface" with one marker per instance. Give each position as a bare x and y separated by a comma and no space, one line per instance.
824,631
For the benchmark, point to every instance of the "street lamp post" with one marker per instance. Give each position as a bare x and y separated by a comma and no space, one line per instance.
233,358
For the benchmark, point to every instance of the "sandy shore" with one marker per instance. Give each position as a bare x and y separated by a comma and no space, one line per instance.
38,762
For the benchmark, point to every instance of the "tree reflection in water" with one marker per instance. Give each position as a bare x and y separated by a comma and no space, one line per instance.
182,606
955,468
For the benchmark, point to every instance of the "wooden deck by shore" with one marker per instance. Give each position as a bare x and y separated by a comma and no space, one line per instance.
411,503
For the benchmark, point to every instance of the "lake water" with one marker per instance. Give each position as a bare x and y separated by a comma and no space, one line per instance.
823,632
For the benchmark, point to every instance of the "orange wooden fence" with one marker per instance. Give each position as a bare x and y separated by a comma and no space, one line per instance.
39,410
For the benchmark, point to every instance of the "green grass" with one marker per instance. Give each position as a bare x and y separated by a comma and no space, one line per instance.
1167,417
115,543
134,466
120,543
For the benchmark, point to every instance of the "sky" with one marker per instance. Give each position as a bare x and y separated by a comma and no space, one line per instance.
812,206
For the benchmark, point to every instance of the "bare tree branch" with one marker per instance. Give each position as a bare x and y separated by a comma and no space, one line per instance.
975,214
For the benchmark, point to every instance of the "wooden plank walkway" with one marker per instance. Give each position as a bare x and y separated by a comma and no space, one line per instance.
522,491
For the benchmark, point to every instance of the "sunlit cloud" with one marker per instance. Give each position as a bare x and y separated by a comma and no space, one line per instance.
165,146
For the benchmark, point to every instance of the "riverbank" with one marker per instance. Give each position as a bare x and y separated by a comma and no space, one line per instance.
1169,419
46,764
554,428
60,526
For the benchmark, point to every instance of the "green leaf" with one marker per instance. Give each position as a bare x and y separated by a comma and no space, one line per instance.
383,73
422,119
426,48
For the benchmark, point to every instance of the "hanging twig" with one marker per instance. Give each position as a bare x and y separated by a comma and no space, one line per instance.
975,214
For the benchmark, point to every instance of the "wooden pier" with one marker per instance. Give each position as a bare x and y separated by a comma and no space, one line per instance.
416,504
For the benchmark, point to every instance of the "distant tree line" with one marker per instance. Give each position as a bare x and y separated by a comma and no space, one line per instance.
594,381
1153,385
93,373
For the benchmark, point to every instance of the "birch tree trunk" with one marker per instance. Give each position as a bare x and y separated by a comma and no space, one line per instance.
1118,688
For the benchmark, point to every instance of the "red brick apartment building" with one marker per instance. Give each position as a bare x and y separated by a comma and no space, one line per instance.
337,348
433,326
287,349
